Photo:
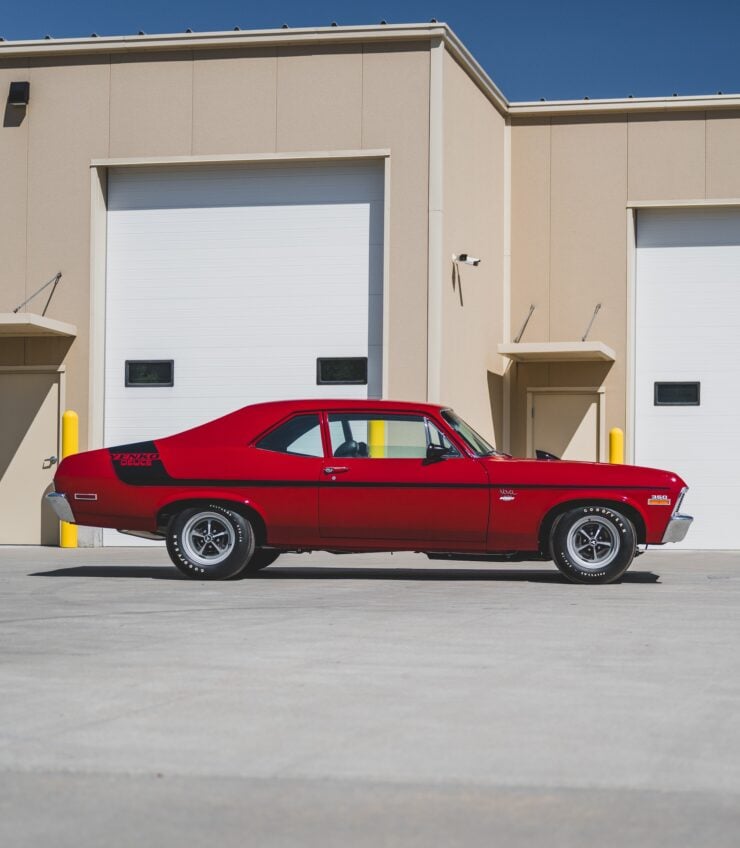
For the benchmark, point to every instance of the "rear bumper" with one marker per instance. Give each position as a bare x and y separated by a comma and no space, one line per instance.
677,528
61,507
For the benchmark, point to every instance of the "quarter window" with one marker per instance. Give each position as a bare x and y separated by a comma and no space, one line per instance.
299,436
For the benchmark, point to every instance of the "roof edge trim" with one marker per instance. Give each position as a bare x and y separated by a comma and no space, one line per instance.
220,38
368,33
536,109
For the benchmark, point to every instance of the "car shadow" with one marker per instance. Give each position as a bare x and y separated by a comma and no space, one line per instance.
159,572
339,573
455,574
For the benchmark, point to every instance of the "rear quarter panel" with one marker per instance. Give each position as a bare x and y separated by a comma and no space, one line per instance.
282,489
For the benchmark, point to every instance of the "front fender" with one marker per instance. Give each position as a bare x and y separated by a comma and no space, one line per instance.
626,504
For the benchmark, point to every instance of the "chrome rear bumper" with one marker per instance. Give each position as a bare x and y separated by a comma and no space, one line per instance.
61,507
677,528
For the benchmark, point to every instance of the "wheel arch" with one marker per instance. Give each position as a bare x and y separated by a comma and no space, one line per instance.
551,517
169,510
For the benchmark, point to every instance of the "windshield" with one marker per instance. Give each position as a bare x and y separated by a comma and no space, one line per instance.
473,440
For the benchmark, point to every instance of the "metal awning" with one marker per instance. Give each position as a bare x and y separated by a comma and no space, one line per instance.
29,325
557,352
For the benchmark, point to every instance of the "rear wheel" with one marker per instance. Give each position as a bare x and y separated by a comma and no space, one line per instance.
593,544
210,542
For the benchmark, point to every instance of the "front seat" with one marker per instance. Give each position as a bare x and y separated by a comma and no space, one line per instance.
348,449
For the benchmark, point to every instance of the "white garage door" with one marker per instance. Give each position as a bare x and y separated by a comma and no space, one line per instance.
242,276
688,343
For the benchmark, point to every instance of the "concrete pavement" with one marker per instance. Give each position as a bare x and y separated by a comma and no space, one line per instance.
376,700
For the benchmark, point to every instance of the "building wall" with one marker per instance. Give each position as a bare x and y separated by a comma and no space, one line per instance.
572,180
473,222
289,99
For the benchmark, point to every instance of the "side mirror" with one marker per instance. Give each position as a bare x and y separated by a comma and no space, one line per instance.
437,452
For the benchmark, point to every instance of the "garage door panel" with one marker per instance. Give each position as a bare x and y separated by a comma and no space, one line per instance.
687,318
684,229
243,276
223,185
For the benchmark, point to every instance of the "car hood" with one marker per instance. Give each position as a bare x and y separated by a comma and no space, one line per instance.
570,473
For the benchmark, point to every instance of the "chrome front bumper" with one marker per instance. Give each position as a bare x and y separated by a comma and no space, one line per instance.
677,528
61,507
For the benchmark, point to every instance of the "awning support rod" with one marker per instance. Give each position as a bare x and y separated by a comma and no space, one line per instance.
53,281
591,322
524,325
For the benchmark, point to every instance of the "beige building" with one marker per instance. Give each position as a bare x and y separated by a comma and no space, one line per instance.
218,204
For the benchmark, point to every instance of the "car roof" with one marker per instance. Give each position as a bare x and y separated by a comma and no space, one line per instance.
329,404
250,422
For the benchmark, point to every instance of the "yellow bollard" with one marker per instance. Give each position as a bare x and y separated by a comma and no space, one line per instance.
376,439
616,446
70,445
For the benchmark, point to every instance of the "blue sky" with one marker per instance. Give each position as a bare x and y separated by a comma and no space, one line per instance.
531,48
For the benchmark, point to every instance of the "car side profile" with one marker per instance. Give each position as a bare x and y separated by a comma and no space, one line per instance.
231,495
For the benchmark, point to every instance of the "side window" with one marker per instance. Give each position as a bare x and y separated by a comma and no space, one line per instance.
384,436
300,436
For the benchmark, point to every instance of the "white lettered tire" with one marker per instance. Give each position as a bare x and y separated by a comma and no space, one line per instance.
593,544
210,542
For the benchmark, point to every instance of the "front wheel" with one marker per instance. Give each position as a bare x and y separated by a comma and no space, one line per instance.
210,542
593,544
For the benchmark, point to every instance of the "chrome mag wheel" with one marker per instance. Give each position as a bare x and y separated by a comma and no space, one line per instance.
593,542
208,538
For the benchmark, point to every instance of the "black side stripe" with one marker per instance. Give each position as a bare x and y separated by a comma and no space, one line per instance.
140,465
328,484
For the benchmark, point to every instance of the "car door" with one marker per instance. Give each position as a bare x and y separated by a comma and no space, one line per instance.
379,483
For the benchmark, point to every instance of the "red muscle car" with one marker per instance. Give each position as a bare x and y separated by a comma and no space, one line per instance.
349,475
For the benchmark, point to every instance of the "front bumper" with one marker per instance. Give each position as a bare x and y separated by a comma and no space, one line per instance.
677,528
61,507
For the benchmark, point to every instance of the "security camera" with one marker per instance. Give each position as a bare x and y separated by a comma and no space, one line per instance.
466,258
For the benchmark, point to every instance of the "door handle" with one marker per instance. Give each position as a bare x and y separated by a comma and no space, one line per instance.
336,469
49,462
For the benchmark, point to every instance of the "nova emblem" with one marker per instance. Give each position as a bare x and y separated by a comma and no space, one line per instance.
506,494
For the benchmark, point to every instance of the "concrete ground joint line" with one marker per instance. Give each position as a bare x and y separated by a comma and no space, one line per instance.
486,786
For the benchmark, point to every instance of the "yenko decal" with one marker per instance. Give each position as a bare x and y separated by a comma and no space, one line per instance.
139,464
137,459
